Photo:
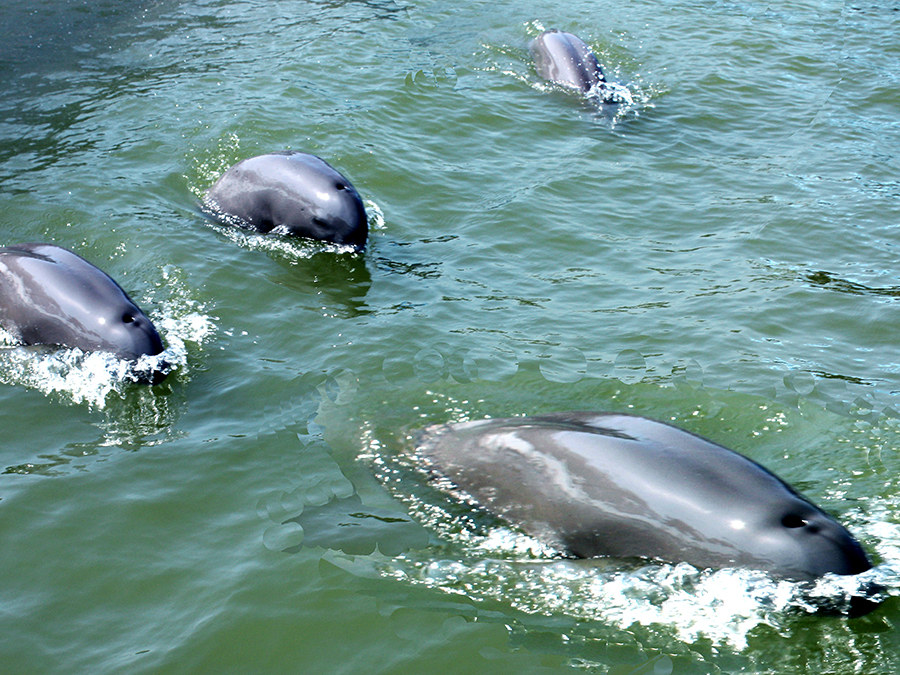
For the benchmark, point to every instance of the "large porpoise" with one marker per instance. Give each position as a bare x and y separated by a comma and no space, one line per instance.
291,193
51,296
607,484
567,60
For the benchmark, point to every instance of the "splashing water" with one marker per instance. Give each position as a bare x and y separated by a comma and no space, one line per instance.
723,606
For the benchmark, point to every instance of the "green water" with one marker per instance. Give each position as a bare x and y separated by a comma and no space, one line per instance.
721,255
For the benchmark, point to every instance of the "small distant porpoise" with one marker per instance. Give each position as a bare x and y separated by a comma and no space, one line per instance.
603,484
290,193
565,59
51,296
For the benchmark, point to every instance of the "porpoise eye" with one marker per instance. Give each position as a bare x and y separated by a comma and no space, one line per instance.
127,318
340,186
793,521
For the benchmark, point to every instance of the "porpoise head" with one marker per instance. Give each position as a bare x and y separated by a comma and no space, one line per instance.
712,504
794,539
53,296
291,193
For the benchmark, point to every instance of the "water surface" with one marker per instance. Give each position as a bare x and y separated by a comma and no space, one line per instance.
721,255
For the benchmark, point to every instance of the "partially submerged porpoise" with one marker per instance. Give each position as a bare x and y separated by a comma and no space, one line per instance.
565,59
52,296
290,193
607,484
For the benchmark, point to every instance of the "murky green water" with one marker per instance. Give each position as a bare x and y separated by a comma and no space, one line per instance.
722,255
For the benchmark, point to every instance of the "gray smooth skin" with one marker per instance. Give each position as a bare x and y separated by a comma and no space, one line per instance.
51,296
565,59
599,484
291,193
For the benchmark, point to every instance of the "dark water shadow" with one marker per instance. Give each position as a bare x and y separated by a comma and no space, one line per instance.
835,283
335,282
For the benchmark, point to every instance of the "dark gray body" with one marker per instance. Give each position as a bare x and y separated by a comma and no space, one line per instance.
597,484
291,193
49,295
565,59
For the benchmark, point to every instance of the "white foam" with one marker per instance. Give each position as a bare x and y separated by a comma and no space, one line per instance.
723,606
